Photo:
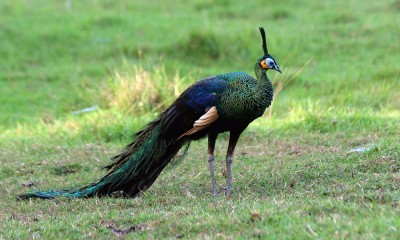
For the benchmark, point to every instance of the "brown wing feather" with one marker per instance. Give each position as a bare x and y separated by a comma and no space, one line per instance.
204,121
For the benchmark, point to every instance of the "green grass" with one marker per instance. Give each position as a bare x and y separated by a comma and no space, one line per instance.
294,174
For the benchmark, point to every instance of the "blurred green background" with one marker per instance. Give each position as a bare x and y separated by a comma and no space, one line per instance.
58,56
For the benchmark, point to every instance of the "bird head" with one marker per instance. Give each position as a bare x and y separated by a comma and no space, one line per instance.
267,61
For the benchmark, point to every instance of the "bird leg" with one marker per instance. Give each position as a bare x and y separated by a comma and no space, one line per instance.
233,138
211,146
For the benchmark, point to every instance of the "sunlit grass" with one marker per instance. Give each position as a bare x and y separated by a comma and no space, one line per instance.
136,90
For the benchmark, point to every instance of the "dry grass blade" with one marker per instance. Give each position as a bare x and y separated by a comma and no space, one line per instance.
280,83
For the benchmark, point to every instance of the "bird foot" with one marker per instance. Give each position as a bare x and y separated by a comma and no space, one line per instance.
215,191
228,191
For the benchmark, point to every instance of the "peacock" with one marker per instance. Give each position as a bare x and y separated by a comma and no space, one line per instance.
222,103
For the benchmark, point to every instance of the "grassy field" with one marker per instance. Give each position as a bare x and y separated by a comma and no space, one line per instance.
323,163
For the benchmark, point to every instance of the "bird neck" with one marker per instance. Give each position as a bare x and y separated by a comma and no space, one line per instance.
264,87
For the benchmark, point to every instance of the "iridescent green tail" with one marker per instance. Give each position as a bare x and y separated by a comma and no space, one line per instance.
133,171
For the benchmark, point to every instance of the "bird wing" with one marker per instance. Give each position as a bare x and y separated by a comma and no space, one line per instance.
194,110
203,122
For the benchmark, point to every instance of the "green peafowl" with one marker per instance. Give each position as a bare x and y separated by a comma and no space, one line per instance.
226,102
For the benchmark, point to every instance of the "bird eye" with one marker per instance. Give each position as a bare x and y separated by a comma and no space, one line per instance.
271,63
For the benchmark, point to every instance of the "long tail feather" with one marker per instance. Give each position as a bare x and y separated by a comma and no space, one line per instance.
133,171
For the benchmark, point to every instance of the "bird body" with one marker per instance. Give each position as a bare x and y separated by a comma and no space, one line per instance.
246,98
226,102
237,96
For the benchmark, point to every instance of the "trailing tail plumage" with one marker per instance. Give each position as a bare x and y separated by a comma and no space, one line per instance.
132,171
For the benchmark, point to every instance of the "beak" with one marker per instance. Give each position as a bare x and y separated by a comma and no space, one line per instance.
277,69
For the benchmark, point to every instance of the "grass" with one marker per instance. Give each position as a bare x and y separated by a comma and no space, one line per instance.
295,174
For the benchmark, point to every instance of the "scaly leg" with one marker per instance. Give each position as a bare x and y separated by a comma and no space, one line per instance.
211,146
233,138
